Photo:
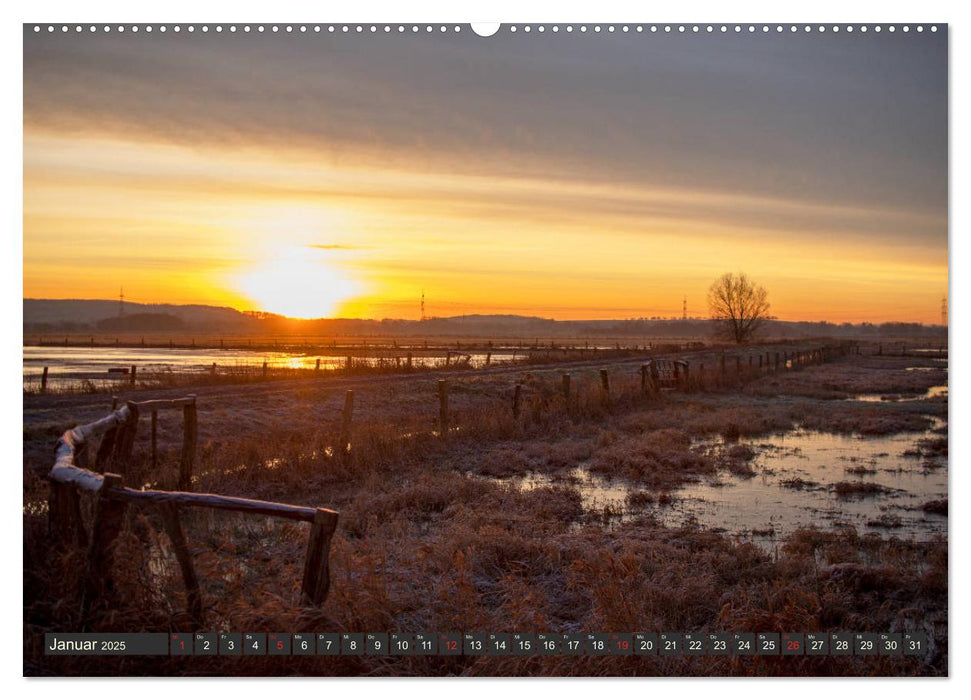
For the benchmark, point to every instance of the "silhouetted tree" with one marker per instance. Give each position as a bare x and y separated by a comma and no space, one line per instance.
738,307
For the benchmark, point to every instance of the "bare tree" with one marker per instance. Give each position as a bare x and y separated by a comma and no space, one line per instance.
738,306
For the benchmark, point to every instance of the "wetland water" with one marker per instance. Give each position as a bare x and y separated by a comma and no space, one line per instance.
72,365
793,485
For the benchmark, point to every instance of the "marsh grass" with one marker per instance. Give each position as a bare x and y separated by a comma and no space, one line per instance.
424,546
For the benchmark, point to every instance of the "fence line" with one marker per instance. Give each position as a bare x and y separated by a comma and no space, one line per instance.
69,477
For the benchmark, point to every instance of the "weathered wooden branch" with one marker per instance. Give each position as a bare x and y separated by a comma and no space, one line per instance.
173,528
316,573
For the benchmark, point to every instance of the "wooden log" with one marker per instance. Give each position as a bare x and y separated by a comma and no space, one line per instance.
173,528
109,518
43,379
443,408
154,441
517,400
347,415
215,501
190,436
316,572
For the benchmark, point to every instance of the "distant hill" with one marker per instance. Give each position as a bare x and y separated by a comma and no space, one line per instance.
143,322
84,315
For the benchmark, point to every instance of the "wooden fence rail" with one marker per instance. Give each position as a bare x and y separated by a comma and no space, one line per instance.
69,478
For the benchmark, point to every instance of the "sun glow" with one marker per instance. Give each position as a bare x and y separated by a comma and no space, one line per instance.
299,282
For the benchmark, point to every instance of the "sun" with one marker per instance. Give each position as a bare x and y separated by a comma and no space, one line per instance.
299,282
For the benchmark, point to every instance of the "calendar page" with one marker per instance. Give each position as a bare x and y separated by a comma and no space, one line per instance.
524,349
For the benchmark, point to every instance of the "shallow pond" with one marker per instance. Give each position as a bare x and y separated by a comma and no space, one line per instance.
885,481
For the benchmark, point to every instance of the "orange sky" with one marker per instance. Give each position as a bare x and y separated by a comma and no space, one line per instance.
357,227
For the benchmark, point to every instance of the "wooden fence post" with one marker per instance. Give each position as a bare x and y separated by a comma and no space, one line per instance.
43,379
409,361
516,400
264,369
64,521
655,379
346,416
134,372
443,408
687,376
154,441
566,390
488,359
316,571
173,528
190,436
605,385
317,366
125,440
212,370
738,364
644,370
109,517
777,362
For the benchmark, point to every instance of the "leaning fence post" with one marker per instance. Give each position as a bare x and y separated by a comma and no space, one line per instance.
516,399
443,407
173,528
316,571
346,416
190,434
108,520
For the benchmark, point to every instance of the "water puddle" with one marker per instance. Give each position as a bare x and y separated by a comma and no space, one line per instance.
932,393
801,478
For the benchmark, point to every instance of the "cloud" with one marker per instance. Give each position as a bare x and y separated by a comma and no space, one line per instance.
822,118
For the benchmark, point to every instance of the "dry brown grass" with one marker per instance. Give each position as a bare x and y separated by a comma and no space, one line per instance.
424,545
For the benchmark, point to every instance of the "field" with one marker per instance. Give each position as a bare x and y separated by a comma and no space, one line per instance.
572,517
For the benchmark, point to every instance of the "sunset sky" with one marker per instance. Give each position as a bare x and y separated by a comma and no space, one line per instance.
561,175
